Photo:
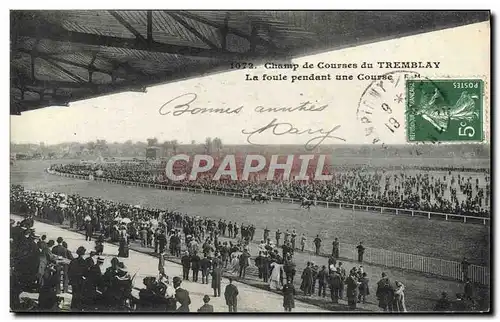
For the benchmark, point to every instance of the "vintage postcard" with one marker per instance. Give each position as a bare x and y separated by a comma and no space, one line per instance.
250,161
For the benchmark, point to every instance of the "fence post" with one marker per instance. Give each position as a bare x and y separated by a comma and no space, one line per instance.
366,208
381,209
412,213
446,217
327,206
352,207
340,206
429,216
465,219
397,211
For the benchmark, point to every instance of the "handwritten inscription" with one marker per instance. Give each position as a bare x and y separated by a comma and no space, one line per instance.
180,105
284,128
303,107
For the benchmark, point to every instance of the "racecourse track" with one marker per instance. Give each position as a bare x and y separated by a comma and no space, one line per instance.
434,238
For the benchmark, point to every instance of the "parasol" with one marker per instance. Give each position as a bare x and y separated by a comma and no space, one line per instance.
87,218
137,206
63,205
40,199
118,218
126,221
153,222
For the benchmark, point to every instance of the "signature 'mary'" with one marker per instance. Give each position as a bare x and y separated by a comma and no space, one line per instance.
283,128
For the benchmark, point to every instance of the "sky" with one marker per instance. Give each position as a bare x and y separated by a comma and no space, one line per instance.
137,116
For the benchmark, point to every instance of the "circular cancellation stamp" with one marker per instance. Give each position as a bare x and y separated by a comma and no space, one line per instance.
381,107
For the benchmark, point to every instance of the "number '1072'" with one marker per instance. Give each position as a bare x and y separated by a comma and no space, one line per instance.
465,85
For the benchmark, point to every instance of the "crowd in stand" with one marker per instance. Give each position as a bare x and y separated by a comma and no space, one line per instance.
198,242
449,193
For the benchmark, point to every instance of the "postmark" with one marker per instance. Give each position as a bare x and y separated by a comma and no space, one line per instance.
446,110
381,107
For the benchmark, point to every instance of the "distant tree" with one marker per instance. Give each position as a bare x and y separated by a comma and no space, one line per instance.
217,143
166,146
152,141
91,146
193,142
175,145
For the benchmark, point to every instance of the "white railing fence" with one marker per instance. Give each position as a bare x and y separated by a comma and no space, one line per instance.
430,265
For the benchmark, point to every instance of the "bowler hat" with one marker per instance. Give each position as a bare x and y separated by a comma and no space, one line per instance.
81,251
177,280
206,299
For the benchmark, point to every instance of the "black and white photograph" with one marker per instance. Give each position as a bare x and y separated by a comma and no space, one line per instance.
250,161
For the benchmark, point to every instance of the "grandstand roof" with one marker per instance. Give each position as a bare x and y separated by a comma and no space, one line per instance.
58,57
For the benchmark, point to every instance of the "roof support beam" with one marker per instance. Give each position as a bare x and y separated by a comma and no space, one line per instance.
192,30
236,32
64,70
150,27
55,33
224,30
69,62
129,27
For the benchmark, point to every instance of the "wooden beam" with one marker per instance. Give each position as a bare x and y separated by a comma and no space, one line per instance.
192,30
150,27
234,31
55,33
127,25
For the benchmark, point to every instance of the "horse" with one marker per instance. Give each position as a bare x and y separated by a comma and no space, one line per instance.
260,198
307,204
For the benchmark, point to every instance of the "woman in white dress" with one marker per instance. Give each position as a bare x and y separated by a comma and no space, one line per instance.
235,262
275,279
399,297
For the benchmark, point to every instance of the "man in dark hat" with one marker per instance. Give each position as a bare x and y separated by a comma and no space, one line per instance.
206,307
231,296
90,260
195,265
186,264
216,280
93,285
89,231
181,295
59,250
205,265
76,271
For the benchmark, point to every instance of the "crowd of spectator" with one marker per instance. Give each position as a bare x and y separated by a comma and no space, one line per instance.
444,192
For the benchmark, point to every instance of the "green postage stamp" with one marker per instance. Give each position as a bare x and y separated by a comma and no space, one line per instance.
444,110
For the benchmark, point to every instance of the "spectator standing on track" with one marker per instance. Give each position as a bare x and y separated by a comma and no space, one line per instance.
334,284
302,242
307,280
399,298
465,269
336,248
205,265
342,274
76,271
186,265
161,265
364,289
266,233
216,280
206,308
289,297
293,239
231,296
361,251
385,293
89,230
244,258
322,280
195,265
468,290
278,237
317,244
181,295
352,290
